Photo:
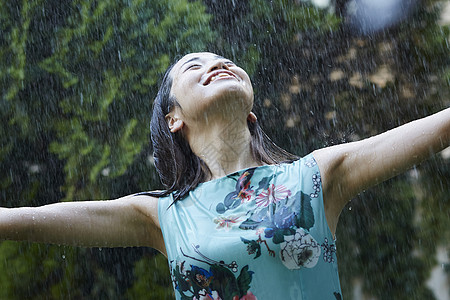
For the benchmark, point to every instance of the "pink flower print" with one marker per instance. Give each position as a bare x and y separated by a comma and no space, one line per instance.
260,230
227,221
272,195
248,296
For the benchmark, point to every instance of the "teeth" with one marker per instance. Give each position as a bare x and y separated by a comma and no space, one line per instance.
219,75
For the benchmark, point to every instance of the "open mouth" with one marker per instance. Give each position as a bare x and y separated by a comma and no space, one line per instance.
219,75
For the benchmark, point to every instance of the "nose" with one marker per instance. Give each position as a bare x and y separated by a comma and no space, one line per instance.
217,65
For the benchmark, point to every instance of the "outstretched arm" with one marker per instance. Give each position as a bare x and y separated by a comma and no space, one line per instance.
347,169
128,221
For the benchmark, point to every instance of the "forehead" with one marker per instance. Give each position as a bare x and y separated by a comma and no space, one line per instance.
200,56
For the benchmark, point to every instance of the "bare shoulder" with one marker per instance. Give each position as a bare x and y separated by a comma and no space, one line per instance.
335,193
328,162
147,206
144,204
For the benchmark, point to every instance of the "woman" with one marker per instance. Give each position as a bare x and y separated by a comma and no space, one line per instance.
240,218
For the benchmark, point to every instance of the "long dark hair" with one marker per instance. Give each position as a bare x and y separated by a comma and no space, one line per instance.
179,169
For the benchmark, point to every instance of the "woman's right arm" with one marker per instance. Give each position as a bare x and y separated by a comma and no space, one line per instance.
124,222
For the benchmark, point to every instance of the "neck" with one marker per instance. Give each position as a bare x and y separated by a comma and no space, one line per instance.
225,148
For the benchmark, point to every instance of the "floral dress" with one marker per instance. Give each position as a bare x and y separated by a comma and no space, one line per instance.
259,233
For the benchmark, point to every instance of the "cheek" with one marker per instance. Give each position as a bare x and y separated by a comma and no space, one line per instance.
182,92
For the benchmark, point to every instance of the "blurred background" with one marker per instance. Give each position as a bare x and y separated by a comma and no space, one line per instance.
77,82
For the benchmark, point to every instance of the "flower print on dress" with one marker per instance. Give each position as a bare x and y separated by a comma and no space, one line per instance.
217,283
226,222
310,162
255,247
299,250
282,218
328,251
278,220
248,296
204,295
201,276
215,296
317,181
243,192
260,230
272,195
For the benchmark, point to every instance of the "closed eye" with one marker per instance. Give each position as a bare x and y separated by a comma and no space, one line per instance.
193,66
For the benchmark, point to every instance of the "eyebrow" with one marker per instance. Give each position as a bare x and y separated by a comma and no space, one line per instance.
192,59
198,58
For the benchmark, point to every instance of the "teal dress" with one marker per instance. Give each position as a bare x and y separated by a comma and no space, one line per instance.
259,233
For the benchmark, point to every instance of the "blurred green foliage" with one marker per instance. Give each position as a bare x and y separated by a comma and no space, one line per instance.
77,83
77,80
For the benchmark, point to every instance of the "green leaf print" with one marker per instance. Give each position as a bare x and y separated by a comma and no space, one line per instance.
279,234
253,247
306,217
243,280
224,282
182,284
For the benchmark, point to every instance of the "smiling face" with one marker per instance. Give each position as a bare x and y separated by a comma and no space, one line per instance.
208,86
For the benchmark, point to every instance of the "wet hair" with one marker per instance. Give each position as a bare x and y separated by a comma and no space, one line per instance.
179,169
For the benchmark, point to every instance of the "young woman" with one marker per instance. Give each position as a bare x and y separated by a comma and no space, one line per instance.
240,218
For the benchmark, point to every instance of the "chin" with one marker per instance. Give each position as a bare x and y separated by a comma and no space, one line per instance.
230,92
231,102
232,97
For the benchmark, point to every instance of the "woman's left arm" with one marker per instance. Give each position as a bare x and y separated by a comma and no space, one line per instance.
349,168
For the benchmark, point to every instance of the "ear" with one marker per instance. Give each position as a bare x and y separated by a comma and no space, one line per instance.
174,123
252,117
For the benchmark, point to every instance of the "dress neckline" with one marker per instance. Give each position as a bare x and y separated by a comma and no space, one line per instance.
240,172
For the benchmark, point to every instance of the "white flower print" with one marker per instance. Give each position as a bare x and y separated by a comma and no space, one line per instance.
310,163
273,194
317,181
299,250
205,296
